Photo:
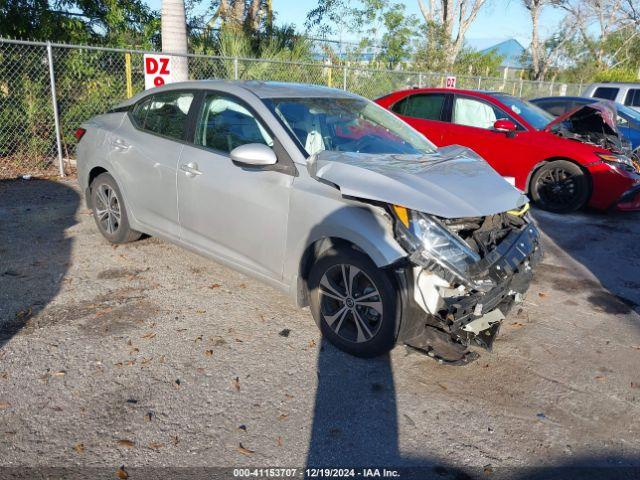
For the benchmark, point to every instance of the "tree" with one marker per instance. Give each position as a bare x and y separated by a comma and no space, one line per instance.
174,36
448,22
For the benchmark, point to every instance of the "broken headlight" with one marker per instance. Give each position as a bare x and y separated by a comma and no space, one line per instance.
615,160
430,243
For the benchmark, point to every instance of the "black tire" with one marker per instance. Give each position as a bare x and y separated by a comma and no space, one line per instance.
560,186
104,190
374,333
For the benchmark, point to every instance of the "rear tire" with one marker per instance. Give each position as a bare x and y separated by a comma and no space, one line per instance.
109,211
354,303
560,186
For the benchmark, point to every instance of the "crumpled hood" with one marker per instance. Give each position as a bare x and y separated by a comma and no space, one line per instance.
453,182
594,123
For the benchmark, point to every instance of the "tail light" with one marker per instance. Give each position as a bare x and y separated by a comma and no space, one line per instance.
79,133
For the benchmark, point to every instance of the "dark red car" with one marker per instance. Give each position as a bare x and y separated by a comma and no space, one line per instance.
564,165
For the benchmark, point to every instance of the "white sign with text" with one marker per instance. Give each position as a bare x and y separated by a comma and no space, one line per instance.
158,70
450,82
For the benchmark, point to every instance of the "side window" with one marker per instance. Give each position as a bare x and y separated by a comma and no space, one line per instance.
476,113
425,106
225,124
608,93
139,112
633,97
167,114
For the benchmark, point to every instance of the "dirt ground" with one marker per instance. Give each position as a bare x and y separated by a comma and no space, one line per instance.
148,355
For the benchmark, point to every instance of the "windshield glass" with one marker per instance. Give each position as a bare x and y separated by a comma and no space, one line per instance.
533,115
347,125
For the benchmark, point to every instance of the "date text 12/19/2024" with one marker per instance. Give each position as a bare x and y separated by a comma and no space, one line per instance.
315,473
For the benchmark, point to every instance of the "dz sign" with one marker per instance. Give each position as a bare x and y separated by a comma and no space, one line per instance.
157,70
450,82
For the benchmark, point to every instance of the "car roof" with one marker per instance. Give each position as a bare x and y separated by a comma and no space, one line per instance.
487,94
563,97
615,84
261,89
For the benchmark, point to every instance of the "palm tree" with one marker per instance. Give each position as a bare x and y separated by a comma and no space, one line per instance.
174,36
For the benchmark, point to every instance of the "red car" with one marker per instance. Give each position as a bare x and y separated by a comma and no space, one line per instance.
563,165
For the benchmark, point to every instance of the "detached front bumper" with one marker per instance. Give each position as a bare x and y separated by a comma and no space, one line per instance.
464,319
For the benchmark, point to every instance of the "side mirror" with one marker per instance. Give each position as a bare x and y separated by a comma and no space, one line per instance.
505,126
253,155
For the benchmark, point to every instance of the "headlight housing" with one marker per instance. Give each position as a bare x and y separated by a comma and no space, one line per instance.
430,244
617,160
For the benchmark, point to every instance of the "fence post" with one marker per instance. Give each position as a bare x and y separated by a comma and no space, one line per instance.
127,73
344,77
54,103
420,80
235,68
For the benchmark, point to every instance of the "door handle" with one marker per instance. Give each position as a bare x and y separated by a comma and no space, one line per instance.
190,169
120,144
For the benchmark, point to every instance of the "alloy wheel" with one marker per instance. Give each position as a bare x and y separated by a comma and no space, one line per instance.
557,187
350,303
108,208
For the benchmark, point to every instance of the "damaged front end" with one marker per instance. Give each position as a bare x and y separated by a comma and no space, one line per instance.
464,278
594,124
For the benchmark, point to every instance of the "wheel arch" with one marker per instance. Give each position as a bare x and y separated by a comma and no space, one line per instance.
93,174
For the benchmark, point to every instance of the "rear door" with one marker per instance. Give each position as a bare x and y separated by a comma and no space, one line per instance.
426,112
145,152
236,213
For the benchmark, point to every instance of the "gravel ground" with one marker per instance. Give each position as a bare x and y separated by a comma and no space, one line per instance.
148,355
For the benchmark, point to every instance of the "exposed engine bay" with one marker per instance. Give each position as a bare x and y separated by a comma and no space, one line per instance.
459,313
595,124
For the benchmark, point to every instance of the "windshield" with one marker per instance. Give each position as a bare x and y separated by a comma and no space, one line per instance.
533,115
347,125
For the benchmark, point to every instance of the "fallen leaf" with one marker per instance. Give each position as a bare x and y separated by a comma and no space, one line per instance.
542,295
146,360
312,343
79,447
156,446
208,353
517,324
279,441
236,383
242,285
4,405
60,373
288,396
197,339
126,443
201,311
283,416
215,285
599,377
175,440
149,335
441,386
121,473
245,451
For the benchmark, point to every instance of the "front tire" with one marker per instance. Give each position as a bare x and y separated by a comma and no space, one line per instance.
354,303
560,186
109,211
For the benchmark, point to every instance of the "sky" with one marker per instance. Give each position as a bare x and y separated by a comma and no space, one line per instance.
499,19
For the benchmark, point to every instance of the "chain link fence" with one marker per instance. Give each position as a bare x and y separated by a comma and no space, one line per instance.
48,90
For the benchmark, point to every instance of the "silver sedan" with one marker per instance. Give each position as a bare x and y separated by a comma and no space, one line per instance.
325,196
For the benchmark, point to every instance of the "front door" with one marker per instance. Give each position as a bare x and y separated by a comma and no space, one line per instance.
236,213
426,112
472,126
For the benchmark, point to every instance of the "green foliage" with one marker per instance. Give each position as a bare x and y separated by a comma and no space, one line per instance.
620,74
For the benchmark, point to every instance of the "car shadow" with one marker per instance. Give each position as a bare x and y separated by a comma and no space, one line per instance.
35,253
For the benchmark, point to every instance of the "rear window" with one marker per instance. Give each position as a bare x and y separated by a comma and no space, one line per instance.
608,93
425,106
633,97
166,114
555,107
